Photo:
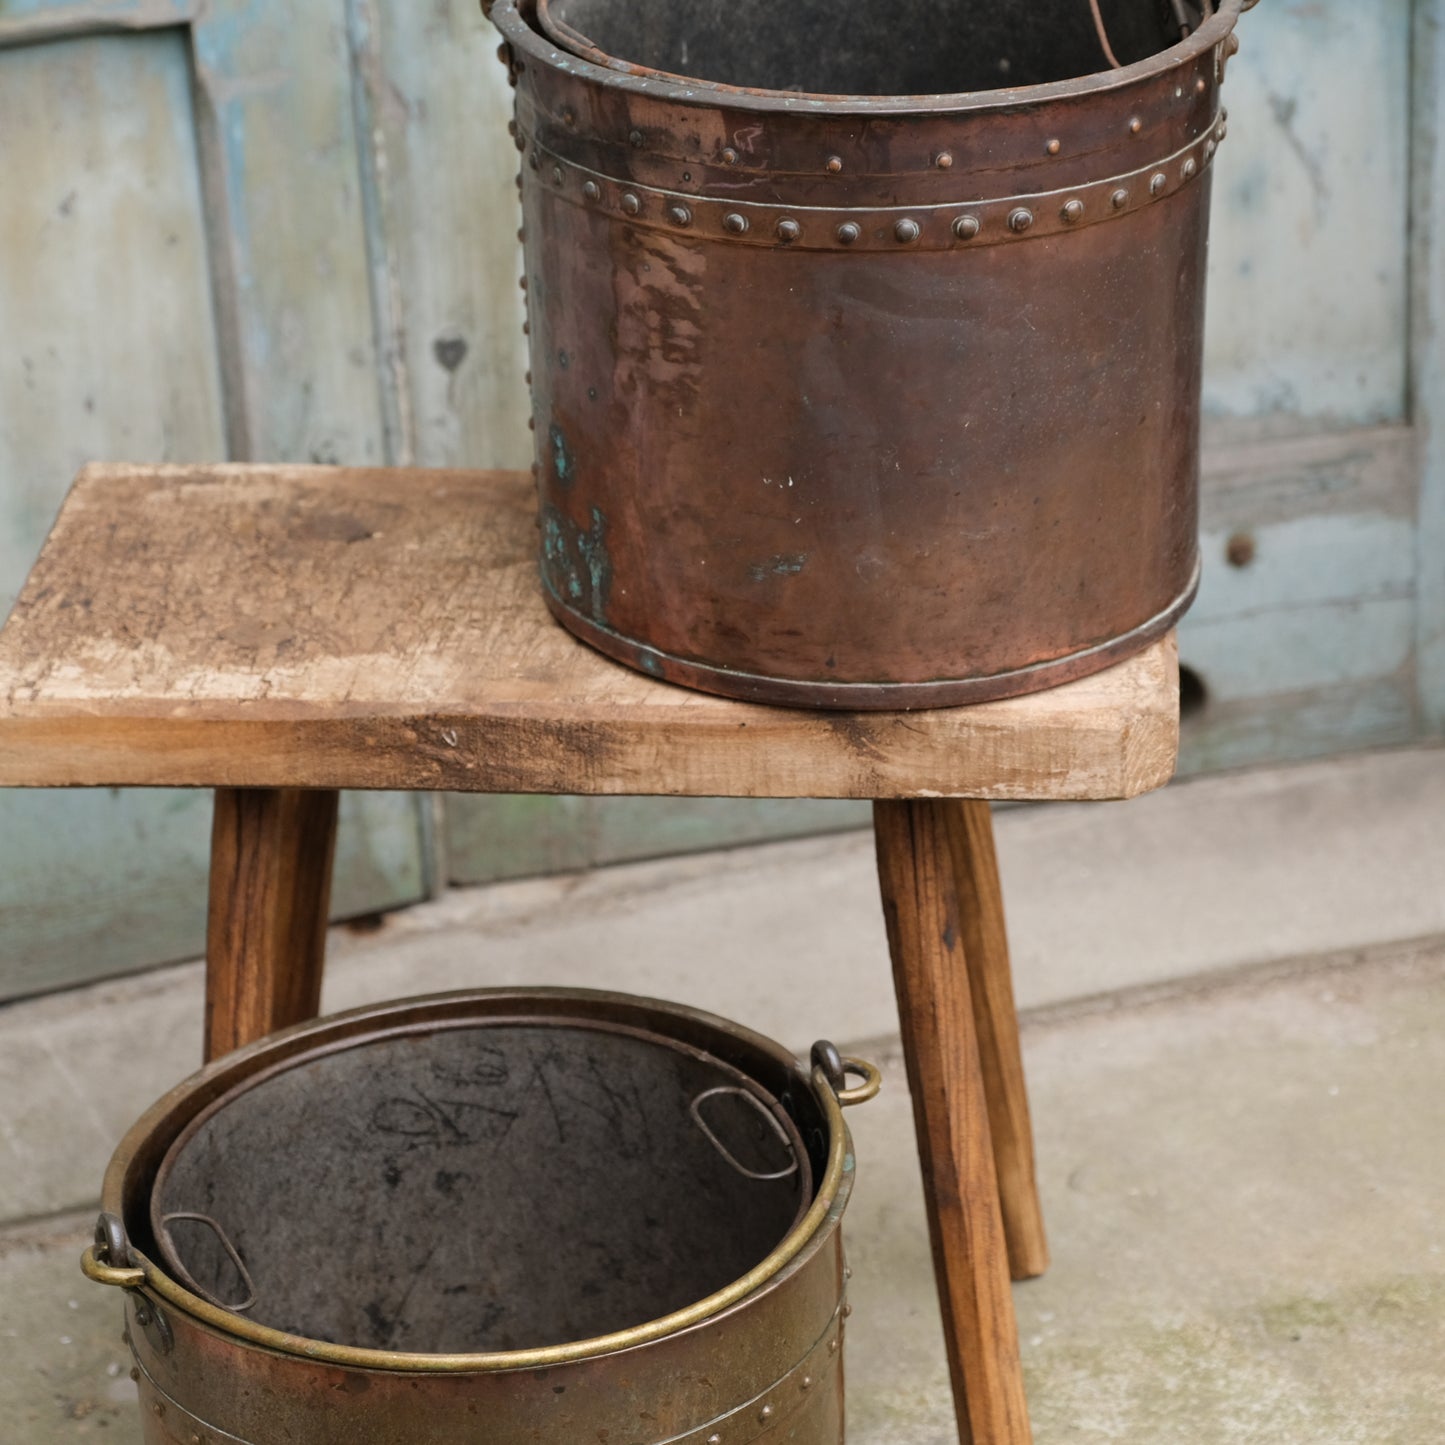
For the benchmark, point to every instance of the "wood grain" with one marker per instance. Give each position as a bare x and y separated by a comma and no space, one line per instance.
984,938
950,1110
324,627
271,861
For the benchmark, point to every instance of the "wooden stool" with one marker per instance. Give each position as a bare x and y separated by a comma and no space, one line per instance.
279,633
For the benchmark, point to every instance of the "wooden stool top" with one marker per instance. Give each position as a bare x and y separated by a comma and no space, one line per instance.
322,627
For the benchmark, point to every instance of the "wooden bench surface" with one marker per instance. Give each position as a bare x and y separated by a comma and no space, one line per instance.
265,626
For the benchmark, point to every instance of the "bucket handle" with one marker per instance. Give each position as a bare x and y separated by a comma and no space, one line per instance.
695,1109
836,1067
174,1257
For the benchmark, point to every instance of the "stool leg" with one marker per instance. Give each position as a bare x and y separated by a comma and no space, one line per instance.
271,856
950,1109
985,952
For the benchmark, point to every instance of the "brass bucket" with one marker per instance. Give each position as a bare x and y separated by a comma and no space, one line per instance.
866,339
503,1215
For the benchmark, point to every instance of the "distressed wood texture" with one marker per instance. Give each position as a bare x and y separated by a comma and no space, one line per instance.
271,859
319,627
951,1116
983,937
1428,344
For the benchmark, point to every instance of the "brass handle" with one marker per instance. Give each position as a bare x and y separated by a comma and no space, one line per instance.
94,1268
872,1077
835,1069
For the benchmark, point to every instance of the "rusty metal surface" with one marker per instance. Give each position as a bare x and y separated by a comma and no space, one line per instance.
869,400
771,1363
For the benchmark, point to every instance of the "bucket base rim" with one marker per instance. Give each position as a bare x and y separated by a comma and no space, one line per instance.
871,696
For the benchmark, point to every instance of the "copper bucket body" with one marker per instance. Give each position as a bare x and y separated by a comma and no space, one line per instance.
866,400
502,1215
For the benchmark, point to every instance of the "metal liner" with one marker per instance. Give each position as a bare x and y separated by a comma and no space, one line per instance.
120,1259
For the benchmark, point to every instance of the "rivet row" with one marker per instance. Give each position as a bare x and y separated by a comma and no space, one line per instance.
984,222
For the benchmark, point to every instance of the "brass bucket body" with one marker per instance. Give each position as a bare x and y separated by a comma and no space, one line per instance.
488,1117
866,400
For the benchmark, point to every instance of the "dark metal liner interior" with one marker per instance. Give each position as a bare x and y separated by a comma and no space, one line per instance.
482,1188
866,47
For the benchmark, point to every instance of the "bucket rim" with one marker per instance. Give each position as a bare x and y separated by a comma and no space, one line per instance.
139,1148
524,36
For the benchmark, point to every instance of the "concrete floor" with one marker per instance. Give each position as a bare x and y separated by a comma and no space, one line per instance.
1237,1069
1246,1194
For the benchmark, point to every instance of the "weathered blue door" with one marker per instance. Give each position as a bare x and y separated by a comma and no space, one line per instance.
263,230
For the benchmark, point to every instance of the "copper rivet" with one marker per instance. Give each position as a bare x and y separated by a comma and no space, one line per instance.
835,164
1157,182
520,143
679,215
1191,166
849,232
1224,112
966,227
196,1440
1074,210
789,231
832,1347
730,156
907,230
158,1408
736,223
526,328
807,1382
535,161
557,175
528,378
134,1373
511,127
945,160
592,191
766,1413
1210,146
631,204
847,1310
714,1440
531,423
1120,199
1020,220
1135,126
1200,86
1223,129
1054,147
637,139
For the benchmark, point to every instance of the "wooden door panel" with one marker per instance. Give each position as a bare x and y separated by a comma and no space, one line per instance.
1309,267
94,884
185,277
109,344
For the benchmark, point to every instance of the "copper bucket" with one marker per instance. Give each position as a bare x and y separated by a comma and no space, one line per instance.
867,340
509,1215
